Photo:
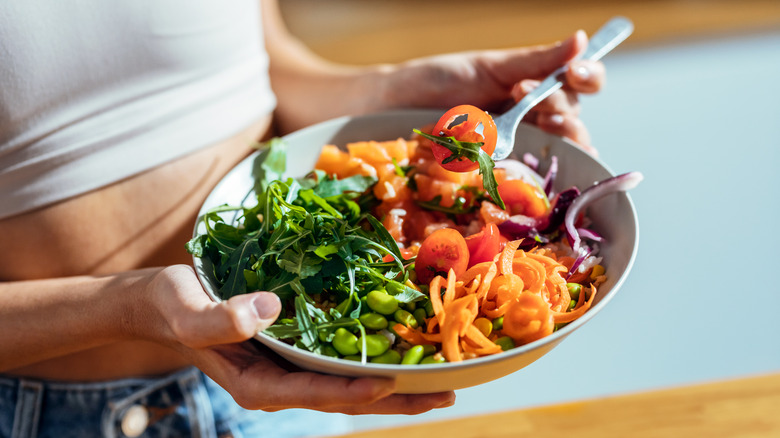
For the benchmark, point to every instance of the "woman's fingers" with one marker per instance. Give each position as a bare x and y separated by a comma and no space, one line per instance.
262,384
561,102
566,126
585,76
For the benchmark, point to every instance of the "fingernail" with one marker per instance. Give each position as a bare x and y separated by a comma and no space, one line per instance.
582,72
267,306
556,119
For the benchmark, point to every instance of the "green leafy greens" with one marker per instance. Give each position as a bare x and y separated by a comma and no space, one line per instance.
311,242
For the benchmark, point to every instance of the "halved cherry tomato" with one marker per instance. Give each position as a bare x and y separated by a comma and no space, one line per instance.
443,250
484,245
405,253
523,198
467,130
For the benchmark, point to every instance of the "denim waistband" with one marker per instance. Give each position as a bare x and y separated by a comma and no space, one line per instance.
183,404
174,405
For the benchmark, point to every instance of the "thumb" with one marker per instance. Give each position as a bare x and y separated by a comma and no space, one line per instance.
231,321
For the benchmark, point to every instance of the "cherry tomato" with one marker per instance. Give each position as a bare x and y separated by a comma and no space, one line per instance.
443,250
523,198
467,130
484,245
405,253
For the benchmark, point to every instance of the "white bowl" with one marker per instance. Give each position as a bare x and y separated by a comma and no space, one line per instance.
614,217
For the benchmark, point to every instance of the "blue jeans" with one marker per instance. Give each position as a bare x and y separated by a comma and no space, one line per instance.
183,404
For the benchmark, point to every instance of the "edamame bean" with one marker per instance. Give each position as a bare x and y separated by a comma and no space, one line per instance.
345,342
375,344
433,358
329,351
498,323
389,356
428,306
413,356
405,318
574,290
381,302
373,321
505,342
420,315
324,336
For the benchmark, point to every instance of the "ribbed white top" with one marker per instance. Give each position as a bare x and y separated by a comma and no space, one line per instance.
92,92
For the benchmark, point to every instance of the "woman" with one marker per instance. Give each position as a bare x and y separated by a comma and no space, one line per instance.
116,122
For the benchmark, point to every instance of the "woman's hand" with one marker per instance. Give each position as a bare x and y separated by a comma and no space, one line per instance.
311,89
215,338
494,80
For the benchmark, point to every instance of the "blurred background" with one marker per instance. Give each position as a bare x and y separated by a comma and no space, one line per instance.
691,101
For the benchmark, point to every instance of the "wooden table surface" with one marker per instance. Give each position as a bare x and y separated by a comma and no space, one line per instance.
739,408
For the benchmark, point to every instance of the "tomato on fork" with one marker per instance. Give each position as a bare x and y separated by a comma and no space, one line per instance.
466,123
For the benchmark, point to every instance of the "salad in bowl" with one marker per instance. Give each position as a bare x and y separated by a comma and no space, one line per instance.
410,255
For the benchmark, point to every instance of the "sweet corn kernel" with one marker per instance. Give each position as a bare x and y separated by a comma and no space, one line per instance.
598,270
484,325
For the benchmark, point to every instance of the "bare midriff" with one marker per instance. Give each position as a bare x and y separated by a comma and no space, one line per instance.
143,221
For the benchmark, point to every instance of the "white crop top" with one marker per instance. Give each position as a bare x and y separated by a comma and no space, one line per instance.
94,91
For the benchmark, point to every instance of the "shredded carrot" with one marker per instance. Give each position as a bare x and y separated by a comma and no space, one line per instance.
527,289
578,311
411,335
508,256
528,319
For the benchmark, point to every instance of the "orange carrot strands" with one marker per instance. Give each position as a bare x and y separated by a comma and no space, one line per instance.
559,297
411,335
485,287
528,319
578,311
432,324
449,292
435,294
479,269
527,288
434,338
473,286
458,316
480,351
495,312
507,257
530,271
474,335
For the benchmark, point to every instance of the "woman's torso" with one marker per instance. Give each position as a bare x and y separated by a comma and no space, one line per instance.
115,122
138,222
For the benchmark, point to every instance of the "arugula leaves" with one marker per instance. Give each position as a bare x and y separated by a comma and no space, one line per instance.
473,152
305,238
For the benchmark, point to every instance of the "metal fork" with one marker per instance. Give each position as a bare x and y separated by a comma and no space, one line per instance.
614,32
